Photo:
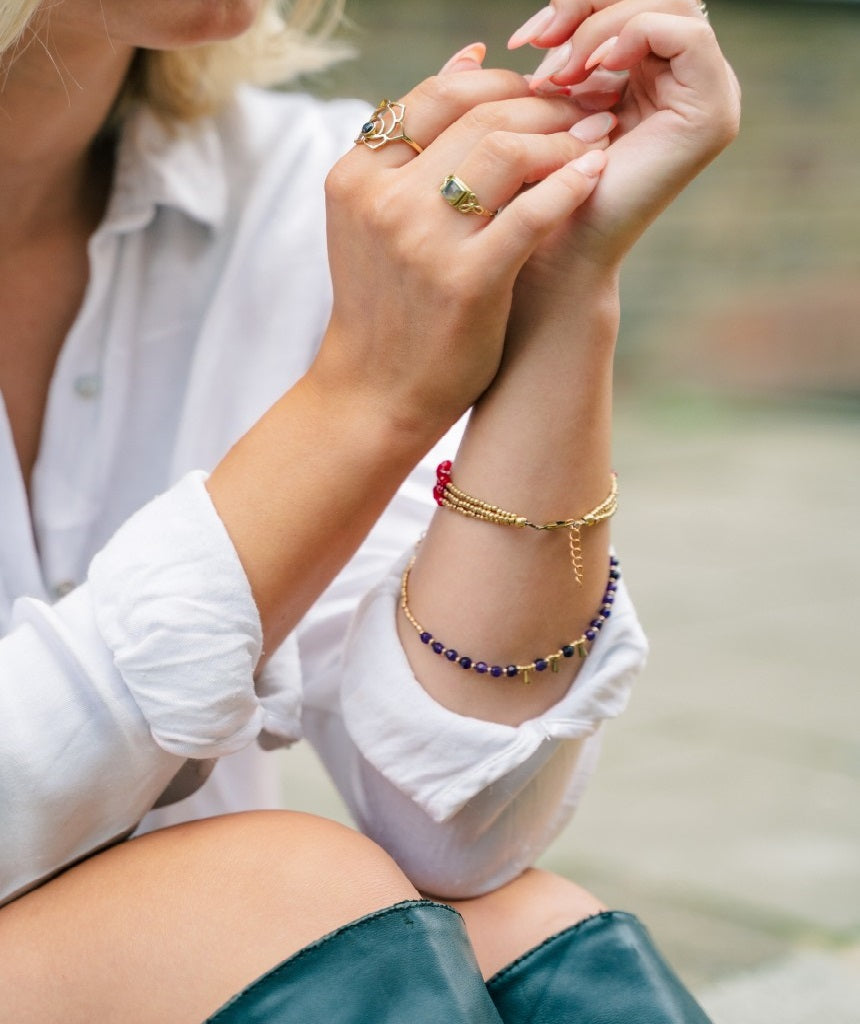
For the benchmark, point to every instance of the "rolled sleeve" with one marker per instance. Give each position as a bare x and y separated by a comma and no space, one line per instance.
174,606
440,759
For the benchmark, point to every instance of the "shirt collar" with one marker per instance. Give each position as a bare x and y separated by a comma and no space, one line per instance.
167,164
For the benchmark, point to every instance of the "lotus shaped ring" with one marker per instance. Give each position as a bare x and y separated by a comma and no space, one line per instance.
385,125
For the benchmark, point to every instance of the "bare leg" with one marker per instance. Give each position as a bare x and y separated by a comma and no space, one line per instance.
165,928
508,922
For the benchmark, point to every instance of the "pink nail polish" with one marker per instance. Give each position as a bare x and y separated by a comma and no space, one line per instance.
601,53
474,53
529,31
554,61
593,128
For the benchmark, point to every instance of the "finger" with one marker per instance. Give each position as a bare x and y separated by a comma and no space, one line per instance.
688,44
428,109
530,115
567,63
470,58
504,162
515,233
555,24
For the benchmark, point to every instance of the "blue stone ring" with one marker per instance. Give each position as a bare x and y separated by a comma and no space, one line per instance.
457,193
385,125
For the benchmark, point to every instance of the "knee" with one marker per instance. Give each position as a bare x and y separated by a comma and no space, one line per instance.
515,918
330,872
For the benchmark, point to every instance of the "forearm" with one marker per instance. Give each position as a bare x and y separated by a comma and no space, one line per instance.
538,444
299,492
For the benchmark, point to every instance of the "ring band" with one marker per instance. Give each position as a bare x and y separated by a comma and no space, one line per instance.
380,127
457,193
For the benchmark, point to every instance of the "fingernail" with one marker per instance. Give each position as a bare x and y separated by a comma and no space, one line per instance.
601,53
554,61
590,164
594,128
529,31
470,58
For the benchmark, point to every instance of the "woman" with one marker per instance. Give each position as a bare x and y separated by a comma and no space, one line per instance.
168,327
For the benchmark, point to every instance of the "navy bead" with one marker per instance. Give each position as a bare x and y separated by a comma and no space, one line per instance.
590,634
437,647
606,611
465,662
541,664
596,623
568,650
451,654
481,667
426,638
511,670
367,127
496,671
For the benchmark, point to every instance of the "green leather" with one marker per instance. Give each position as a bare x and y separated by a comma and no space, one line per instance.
408,964
604,970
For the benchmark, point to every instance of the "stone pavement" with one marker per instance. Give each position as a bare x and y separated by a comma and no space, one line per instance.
726,809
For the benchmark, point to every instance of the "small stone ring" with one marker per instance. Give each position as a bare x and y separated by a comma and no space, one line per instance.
457,193
385,125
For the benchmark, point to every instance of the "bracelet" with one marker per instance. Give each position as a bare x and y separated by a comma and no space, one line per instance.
448,495
580,646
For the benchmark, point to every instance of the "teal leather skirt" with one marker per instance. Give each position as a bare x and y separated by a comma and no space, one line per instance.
412,964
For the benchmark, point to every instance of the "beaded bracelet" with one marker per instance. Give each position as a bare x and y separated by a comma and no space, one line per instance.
580,646
448,495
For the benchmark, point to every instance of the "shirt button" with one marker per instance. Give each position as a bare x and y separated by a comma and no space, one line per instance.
63,588
88,385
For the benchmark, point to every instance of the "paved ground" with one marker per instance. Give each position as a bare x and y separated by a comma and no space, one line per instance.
725,810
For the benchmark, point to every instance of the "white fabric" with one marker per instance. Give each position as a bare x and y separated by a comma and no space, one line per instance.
207,298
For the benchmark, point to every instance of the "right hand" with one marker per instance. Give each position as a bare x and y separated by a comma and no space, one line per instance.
422,293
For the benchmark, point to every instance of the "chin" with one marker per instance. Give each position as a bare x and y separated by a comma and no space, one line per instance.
210,21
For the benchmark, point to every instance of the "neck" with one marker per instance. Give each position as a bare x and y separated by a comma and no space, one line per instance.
56,96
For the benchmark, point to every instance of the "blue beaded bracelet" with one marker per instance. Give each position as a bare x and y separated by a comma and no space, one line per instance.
579,647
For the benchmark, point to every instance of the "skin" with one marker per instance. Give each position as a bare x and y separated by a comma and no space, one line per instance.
528,301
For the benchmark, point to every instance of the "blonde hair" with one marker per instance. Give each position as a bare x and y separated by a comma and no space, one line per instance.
287,39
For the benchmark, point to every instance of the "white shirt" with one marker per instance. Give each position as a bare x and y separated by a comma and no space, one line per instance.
129,638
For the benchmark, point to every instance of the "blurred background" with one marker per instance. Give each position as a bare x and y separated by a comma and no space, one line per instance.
726,810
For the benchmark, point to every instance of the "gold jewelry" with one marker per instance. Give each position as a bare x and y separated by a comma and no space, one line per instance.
580,647
448,495
457,193
380,127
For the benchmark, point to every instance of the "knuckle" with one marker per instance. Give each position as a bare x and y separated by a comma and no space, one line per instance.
484,118
339,182
502,146
441,89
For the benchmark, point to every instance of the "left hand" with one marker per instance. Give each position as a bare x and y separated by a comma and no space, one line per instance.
679,107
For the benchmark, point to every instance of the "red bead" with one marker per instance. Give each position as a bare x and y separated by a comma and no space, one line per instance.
439,493
443,472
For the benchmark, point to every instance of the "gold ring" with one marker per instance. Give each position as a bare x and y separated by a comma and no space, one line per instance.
457,193
380,127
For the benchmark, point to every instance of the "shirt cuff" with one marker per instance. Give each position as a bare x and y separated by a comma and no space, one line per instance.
440,759
172,602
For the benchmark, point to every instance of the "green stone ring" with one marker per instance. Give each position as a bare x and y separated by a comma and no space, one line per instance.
457,193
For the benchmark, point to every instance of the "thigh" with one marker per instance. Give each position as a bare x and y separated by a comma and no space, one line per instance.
165,928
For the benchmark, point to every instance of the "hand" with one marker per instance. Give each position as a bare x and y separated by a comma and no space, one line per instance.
677,110
421,292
